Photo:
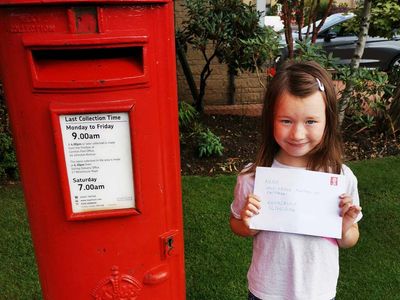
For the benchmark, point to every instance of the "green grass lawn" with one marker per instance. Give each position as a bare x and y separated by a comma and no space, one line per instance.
216,260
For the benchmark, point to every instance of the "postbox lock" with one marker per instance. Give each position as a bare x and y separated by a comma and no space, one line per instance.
168,244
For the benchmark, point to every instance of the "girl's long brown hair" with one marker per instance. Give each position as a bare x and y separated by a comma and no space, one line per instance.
300,79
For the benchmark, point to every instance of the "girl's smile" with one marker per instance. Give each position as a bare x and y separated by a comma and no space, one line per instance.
299,125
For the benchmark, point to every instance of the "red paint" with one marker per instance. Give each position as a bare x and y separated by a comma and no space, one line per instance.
69,59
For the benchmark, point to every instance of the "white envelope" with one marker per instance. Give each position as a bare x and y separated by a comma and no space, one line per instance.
298,201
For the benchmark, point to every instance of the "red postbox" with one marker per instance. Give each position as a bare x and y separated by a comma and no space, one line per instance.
91,92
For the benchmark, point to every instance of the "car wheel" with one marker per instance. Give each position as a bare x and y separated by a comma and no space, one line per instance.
395,64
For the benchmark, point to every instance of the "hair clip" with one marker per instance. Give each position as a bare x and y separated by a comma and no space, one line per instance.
320,85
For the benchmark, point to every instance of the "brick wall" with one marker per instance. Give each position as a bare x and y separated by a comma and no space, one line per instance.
350,3
248,86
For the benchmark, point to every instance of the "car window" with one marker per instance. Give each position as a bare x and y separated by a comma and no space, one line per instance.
305,28
340,29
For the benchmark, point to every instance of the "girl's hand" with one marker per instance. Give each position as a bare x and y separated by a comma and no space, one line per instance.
241,226
251,208
349,211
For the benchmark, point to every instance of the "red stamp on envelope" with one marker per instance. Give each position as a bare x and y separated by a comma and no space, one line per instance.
334,180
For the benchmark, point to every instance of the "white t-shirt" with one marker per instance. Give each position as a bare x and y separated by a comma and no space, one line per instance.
291,266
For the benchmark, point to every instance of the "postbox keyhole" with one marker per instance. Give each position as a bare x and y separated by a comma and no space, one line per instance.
169,245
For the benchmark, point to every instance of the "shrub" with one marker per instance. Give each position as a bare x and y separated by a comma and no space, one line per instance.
206,142
187,114
308,51
369,101
209,144
394,109
8,162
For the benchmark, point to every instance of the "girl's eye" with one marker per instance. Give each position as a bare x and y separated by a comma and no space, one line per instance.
286,122
311,122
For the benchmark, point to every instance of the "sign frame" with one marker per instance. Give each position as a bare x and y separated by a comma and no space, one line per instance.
122,106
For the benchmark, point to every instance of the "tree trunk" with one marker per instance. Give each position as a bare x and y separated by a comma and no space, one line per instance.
231,85
187,71
287,17
314,20
362,37
358,53
326,13
205,73
300,19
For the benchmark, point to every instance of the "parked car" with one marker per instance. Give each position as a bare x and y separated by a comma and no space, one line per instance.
275,22
379,52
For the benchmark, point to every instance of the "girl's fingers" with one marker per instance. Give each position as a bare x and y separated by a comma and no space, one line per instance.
345,208
253,208
250,210
254,200
345,199
353,211
345,203
249,213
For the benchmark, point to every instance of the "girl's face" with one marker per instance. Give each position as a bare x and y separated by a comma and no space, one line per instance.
299,125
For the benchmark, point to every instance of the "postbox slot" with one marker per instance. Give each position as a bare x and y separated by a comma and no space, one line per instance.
95,65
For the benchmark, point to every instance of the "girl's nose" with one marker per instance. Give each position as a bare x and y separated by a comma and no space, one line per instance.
298,132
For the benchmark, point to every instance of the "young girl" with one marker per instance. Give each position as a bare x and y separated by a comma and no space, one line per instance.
300,130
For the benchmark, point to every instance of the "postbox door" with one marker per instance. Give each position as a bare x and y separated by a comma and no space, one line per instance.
138,244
